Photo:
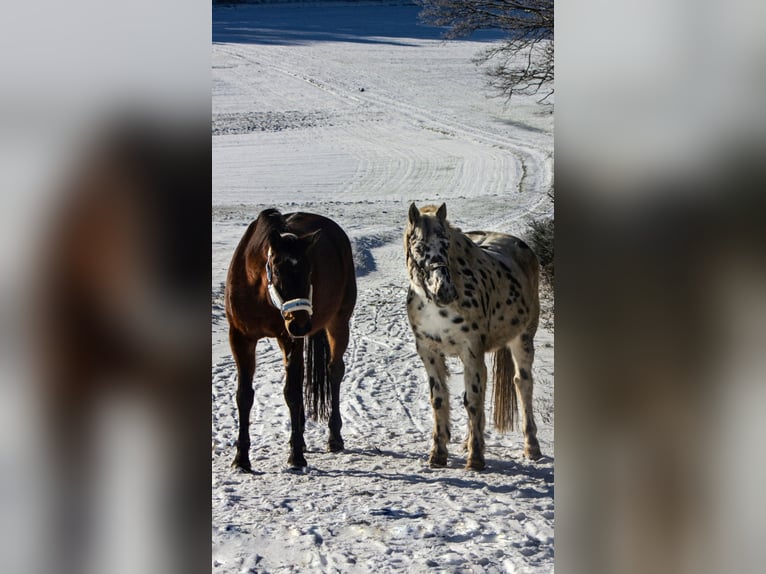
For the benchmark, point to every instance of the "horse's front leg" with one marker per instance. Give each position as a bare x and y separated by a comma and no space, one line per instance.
243,350
436,369
475,386
337,338
293,352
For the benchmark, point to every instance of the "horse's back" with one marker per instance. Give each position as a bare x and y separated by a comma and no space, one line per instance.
302,223
334,260
333,240
333,246
511,250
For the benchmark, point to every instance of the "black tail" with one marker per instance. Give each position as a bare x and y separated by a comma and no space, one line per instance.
505,409
317,388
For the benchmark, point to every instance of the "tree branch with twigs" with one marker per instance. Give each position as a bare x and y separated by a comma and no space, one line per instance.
524,62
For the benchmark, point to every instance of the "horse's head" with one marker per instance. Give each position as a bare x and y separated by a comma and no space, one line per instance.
288,270
426,244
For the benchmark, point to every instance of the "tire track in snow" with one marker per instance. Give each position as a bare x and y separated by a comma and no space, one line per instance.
402,162
428,119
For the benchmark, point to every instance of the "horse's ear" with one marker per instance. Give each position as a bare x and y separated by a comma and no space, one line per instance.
441,213
414,214
311,239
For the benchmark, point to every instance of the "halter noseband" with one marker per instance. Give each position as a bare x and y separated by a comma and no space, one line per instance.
276,299
434,266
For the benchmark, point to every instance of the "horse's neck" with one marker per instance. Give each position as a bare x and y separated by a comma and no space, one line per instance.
464,254
459,243
255,267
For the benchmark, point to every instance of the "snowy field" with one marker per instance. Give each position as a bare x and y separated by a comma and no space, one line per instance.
354,111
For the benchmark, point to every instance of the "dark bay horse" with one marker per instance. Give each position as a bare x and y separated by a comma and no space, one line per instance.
292,278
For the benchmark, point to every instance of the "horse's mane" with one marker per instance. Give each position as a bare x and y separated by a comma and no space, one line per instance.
431,210
269,220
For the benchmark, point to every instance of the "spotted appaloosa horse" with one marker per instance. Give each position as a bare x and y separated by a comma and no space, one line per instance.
473,293
292,277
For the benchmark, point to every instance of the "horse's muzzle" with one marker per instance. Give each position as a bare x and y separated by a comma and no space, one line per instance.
445,295
297,326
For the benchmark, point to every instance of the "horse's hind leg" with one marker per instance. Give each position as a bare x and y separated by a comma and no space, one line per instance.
243,350
436,369
337,338
523,351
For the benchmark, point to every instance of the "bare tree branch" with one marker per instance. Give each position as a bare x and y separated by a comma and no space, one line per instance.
523,63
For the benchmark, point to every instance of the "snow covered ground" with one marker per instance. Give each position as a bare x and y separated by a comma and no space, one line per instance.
354,111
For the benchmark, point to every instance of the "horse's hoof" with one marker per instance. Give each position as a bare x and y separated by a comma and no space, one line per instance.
437,460
533,452
335,446
243,465
475,464
296,463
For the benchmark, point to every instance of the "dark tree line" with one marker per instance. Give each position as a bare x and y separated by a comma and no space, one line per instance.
523,63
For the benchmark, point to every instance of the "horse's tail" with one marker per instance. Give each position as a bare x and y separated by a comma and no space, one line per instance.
317,388
505,409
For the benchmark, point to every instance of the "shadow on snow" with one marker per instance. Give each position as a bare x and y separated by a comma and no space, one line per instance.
540,475
301,24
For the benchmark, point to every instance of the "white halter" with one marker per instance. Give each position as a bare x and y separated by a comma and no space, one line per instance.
286,306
